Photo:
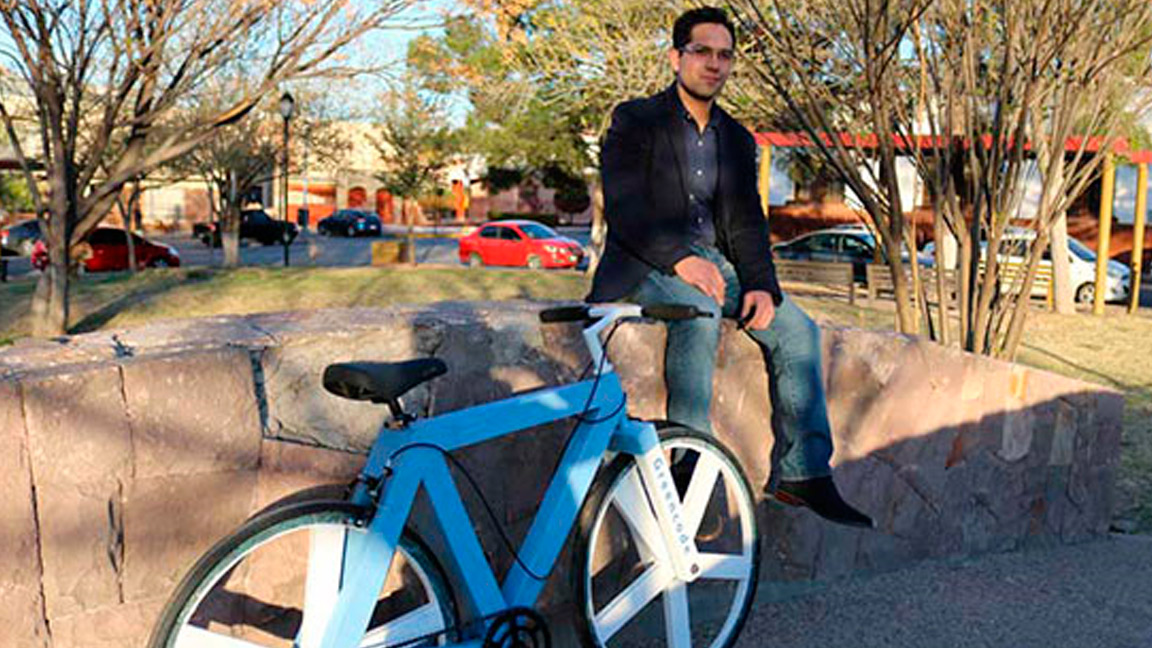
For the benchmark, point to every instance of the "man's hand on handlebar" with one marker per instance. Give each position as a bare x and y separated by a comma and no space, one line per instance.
703,274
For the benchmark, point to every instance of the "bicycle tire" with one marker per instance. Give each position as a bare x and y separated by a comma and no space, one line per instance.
202,594
609,550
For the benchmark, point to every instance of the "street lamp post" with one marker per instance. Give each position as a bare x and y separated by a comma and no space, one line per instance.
287,109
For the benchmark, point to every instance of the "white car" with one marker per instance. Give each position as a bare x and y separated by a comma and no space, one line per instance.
1082,267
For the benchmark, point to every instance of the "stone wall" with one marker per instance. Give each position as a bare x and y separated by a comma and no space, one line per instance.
125,455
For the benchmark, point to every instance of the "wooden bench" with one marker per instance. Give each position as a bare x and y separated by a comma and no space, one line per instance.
1012,271
818,272
879,279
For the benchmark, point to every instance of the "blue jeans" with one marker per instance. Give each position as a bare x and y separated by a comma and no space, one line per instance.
791,348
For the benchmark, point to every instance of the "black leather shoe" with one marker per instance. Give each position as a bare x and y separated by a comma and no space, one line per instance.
820,495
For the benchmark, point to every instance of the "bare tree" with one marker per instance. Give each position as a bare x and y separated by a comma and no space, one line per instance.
837,66
242,155
97,72
1021,88
976,94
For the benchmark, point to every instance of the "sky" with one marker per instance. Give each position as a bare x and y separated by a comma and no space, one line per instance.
392,46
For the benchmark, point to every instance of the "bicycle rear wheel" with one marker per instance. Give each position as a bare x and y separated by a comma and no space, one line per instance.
273,581
621,569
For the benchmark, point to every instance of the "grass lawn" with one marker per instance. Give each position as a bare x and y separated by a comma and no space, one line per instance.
1112,350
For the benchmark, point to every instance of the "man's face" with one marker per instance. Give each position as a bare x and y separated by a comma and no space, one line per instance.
703,65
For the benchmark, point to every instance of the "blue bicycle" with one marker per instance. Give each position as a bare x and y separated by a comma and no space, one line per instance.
666,546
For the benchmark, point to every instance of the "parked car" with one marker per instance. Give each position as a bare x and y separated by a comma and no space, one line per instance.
350,222
21,237
107,250
844,244
519,243
255,225
1081,266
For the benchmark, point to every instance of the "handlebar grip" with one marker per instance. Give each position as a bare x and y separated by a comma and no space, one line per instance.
673,312
564,314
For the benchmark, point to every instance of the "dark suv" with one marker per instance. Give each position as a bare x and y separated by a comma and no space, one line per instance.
255,225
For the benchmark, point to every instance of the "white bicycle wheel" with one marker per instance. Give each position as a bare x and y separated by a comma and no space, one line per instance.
273,583
626,590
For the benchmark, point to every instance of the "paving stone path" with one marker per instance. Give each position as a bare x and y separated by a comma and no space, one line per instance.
1090,595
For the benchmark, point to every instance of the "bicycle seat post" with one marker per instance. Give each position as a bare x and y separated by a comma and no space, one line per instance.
400,419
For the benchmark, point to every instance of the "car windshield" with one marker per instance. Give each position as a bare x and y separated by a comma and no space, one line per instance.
105,236
535,231
1081,250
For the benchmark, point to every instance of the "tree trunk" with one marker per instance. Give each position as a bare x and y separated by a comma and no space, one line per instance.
50,302
411,218
1063,290
230,243
943,298
599,226
229,227
963,292
906,320
130,241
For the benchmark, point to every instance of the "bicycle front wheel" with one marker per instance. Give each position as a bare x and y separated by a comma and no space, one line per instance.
274,582
622,569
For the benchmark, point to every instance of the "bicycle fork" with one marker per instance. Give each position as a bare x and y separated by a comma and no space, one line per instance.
640,439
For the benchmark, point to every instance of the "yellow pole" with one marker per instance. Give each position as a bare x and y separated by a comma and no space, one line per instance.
765,180
1138,235
1107,192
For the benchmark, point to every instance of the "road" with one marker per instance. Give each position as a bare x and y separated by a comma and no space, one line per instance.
307,250
312,250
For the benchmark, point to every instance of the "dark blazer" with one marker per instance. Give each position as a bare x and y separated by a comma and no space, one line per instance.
642,163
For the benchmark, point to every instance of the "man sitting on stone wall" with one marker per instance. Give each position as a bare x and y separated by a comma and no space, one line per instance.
685,226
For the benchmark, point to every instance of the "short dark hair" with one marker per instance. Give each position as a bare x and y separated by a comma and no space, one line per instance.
682,28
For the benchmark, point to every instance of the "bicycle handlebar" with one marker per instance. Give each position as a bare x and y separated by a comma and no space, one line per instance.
672,312
564,314
666,312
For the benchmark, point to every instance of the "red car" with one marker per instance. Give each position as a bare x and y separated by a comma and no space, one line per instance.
107,250
519,243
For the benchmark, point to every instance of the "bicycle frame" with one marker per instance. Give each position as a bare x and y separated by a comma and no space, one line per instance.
402,461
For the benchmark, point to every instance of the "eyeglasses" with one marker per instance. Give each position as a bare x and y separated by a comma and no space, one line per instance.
705,52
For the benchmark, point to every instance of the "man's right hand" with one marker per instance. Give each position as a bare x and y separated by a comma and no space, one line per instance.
703,274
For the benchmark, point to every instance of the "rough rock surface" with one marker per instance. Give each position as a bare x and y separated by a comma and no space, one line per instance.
126,454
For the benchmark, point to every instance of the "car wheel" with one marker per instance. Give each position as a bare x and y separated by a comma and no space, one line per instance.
1086,293
534,262
474,260
159,263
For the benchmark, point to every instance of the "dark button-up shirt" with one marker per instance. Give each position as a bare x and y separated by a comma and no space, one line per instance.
702,170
